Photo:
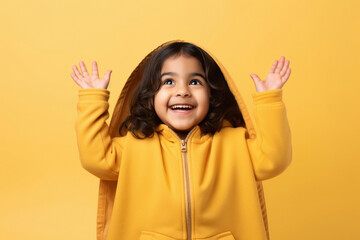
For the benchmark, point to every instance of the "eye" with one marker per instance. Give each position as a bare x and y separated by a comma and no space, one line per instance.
168,82
195,82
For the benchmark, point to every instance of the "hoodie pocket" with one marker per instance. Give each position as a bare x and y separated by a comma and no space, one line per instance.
147,235
221,236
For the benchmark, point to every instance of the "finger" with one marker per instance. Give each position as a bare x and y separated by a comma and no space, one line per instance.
83,68
107,75
73,76
76,71
273,67
76,80
280,65
287,75
285,68
95,71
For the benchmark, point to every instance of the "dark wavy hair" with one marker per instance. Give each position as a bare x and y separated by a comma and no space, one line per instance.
143,118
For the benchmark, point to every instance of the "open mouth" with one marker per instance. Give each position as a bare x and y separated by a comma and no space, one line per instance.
184,107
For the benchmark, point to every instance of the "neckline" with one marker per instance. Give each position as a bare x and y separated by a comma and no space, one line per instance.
194,134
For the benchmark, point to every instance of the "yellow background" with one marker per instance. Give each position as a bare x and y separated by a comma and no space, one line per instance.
45,193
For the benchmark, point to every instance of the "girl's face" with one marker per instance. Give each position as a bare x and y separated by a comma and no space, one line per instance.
183,98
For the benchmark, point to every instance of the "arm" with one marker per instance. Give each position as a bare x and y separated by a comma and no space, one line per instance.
271,150
99,154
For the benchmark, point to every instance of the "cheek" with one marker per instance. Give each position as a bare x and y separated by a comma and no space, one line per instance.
156,103
160,99
204,101
160,103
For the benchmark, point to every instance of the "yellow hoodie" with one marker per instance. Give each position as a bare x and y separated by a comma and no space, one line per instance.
164,188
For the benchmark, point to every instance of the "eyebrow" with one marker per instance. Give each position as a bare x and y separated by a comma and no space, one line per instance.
190,75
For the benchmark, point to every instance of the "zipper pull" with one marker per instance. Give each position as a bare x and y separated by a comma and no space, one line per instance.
183,146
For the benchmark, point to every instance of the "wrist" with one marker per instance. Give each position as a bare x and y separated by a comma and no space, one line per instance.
268,96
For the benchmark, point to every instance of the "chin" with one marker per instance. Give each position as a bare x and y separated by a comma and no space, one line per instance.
180,129
183,128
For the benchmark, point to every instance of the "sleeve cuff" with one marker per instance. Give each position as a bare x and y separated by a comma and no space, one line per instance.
269,96
94,94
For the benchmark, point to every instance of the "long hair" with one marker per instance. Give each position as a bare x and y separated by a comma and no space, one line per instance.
223,106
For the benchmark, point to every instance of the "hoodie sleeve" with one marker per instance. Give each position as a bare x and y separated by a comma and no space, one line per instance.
271,149
99,154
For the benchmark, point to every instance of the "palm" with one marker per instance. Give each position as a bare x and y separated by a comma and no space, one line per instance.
84,80
277,77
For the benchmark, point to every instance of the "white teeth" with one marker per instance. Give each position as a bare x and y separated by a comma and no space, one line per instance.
181,107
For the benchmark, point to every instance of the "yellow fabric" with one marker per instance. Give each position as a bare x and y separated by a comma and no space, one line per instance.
142,193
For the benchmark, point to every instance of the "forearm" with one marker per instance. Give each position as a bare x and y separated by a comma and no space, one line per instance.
99,154
271,150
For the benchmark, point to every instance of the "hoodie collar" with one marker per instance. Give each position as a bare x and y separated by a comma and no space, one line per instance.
194,134
122,107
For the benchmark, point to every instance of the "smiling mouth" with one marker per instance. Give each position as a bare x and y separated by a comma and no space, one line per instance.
181,107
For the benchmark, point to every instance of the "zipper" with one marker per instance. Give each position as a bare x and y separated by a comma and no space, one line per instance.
187,188
186,183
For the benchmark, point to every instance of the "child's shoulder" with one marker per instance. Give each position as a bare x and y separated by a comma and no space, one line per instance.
129,137
226,125
229,130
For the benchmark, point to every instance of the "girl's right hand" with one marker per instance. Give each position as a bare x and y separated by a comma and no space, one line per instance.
84,80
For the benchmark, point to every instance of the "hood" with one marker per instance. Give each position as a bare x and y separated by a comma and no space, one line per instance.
122,107
107,189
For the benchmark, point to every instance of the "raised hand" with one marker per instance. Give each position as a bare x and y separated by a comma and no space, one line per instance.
84,80
277,77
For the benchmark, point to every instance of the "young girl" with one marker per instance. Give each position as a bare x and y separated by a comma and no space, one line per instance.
181,158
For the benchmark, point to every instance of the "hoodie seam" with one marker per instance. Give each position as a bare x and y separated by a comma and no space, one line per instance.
106,161
103,220
192,190
104,153
260,141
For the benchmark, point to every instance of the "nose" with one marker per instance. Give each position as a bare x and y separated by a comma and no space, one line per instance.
183,91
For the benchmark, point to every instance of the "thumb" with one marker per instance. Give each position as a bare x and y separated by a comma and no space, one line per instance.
255,78
107,75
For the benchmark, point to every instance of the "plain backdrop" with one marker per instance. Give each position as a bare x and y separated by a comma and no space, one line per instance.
46,194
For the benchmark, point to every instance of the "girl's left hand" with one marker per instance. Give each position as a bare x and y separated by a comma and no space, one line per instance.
277,77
